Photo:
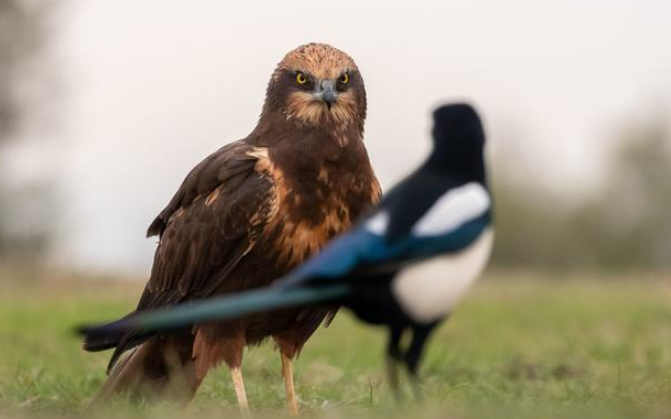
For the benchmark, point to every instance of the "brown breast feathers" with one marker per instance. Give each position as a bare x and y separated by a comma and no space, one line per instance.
307,211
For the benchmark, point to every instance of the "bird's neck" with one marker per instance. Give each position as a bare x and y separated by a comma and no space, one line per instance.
464,168
328,140
330,159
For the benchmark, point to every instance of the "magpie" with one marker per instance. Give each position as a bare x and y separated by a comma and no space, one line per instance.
404,265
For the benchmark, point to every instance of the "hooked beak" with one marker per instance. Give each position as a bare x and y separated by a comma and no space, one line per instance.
326,91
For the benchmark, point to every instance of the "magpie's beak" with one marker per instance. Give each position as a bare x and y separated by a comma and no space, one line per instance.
326,91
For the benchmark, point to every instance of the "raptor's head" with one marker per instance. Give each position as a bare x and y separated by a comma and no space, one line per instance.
317,84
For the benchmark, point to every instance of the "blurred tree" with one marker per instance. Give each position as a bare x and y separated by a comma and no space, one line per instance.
637,200
23,40
624,225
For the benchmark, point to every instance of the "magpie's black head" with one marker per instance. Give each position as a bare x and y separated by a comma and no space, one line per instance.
459,142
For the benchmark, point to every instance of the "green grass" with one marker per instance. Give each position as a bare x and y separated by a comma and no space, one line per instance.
519,346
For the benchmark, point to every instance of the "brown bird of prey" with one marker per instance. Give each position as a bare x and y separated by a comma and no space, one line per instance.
247,215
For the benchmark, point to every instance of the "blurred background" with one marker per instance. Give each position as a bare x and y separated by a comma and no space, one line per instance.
105,106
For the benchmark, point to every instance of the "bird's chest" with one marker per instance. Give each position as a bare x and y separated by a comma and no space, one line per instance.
306,216
429,290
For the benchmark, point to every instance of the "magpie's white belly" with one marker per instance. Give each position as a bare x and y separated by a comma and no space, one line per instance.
430,289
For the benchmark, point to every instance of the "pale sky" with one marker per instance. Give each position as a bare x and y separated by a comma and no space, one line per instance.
150,87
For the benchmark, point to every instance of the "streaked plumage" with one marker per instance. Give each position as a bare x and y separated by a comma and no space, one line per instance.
404,266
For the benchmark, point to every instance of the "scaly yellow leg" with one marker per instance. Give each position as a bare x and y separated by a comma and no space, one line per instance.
288,373
239,385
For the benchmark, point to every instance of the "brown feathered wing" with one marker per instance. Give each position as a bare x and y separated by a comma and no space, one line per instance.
212,222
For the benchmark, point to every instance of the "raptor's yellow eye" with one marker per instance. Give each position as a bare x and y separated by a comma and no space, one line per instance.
344,79
301,79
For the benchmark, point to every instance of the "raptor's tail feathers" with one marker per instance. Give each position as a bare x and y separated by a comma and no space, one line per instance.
215,309
157,368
